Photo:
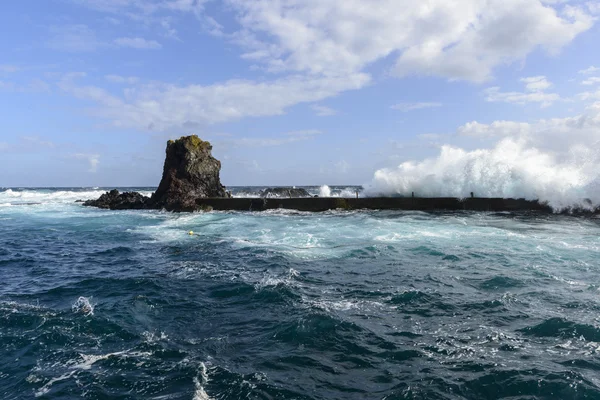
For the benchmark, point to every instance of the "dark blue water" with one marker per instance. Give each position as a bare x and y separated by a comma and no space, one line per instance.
281,305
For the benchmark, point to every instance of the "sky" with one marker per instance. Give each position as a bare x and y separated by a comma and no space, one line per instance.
293,92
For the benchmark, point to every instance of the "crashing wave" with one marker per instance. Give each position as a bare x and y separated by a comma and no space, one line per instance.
511,169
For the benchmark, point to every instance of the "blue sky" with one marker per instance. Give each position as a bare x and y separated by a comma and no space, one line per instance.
289,91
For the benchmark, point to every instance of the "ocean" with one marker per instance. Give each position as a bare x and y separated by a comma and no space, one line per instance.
101,304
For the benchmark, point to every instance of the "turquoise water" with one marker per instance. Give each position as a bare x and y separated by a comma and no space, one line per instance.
285,305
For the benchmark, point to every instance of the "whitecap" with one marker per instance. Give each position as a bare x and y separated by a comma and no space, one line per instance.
83,305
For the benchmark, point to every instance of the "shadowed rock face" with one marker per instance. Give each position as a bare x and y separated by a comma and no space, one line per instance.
190,172
119,201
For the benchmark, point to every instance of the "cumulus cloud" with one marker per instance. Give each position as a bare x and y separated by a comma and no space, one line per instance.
589,70
589,95
594,80
344,36
436,38
163,106
415,106
320,49
536,83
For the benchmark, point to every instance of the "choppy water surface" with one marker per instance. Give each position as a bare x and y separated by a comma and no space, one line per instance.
284,305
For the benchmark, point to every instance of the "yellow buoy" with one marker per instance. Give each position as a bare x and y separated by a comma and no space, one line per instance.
190,233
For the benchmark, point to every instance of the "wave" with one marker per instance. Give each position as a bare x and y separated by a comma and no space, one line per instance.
510,169
321,191
53,196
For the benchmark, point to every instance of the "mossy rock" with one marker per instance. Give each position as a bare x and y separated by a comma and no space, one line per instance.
205,207
196,142
192,142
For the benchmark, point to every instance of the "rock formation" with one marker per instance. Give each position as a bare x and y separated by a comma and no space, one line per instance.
284,192
120,201
190,172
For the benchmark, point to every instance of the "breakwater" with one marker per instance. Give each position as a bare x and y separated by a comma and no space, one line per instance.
317,204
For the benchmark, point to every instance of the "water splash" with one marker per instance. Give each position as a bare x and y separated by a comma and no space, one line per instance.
510,169
83,306
200,382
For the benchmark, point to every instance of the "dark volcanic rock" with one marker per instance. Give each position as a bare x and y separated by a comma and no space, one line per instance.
284,192
120,201
190,172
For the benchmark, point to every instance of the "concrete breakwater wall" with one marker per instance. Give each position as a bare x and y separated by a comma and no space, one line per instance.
372,203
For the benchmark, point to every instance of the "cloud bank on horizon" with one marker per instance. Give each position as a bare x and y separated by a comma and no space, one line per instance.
498,95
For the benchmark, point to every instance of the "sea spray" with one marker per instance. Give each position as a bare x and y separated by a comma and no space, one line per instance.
510,169
324,191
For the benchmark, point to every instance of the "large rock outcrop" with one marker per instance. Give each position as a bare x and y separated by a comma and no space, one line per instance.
190,172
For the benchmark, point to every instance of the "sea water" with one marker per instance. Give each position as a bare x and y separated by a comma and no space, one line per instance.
288,305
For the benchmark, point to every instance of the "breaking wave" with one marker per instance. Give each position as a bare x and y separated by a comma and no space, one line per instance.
56,195
510,169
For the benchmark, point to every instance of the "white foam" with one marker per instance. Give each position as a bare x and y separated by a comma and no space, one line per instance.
83,305
199,383
46,388
510,169
325,191
51,196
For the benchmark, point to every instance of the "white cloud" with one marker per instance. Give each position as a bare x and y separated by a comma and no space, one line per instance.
323,111
557,134
162,106
534,93
122,79
92,159
589,70
434,38
137,43
322,48
496,128
536,83
415,106
589,95
593,80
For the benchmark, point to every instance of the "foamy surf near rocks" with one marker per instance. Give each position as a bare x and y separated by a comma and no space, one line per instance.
284,192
